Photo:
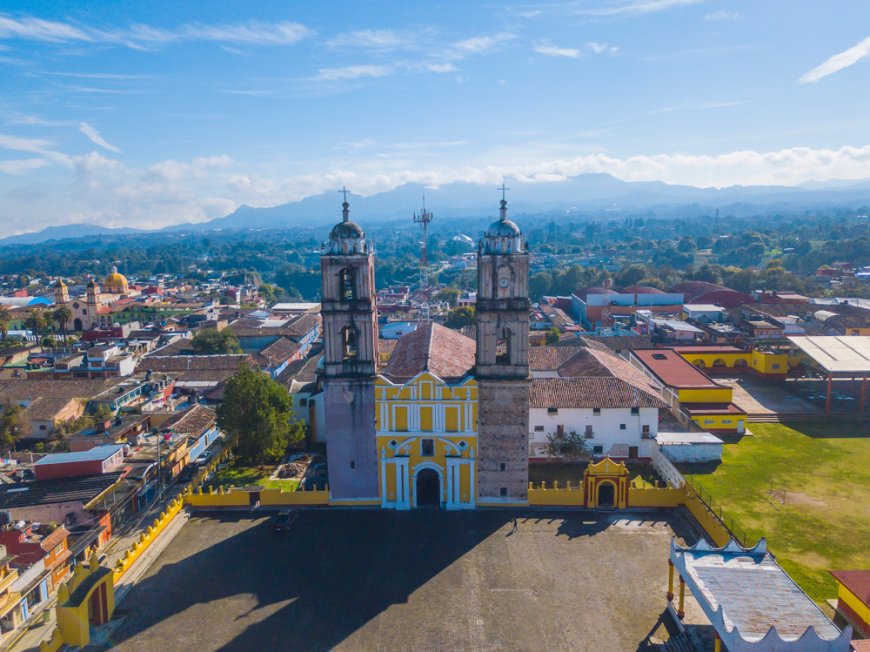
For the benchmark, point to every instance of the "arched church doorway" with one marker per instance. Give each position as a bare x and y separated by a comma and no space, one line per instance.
77,324
606,494
428,489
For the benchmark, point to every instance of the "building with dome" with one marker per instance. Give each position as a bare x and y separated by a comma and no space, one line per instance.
445,421
116,283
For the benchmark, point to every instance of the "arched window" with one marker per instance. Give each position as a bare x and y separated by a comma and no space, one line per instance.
719,363
503,347
349,340
347,287
699,363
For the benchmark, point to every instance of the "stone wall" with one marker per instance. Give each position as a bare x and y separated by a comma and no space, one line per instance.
349,406
502,435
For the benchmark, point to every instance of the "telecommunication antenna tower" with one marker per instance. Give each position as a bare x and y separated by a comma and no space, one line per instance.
423,219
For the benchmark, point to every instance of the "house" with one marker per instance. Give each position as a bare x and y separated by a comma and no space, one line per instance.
96,461
853,599
599,307
592,392
33,542
694,397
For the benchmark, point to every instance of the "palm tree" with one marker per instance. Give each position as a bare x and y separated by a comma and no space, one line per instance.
5,318
62,315
36,322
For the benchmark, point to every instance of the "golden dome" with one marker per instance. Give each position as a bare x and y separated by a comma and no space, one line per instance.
115,281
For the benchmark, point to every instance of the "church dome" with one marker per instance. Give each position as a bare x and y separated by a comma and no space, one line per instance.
115,281
503,236
346,237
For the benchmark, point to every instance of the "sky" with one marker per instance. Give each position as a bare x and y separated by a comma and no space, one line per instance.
145,114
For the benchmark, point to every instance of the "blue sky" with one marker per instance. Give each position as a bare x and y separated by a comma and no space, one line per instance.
150,113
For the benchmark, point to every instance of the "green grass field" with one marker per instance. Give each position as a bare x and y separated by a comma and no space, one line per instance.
806,487
233,475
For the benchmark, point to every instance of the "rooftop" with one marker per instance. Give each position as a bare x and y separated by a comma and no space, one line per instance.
857,581
61,490
837,354
444,352
95,454
746,594
674,370
589,392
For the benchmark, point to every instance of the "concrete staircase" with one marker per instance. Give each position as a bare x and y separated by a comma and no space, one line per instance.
679,643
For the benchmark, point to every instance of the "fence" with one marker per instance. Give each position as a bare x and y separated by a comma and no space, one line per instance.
233,497
703,509
147,537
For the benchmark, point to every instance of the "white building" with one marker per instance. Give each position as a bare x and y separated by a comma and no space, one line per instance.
594,393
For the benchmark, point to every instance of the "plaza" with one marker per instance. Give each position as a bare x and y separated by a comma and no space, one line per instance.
382,580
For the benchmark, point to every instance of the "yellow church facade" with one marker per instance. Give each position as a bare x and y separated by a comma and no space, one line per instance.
426,434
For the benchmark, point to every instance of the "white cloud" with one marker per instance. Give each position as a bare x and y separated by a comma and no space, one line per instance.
695,106
555,51
602,48
34,146
479,45
376,39
634,7
723,15
94,136
344,73
440,67
169,192
143,36
22,166
837,62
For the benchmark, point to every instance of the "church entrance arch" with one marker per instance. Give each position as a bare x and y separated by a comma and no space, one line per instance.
606,494
77,324
427,488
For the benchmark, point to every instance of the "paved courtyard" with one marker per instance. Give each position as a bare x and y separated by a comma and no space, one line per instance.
422,580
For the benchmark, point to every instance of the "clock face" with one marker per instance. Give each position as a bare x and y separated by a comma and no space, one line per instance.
503,283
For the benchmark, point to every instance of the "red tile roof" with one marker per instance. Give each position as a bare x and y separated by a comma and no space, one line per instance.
444,352
589,393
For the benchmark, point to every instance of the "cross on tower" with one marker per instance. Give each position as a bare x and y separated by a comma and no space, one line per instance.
502,212
503,188
345,213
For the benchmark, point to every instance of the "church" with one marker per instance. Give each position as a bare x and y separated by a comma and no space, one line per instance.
93,310
445,421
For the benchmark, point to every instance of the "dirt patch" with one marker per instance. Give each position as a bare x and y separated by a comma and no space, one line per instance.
798,498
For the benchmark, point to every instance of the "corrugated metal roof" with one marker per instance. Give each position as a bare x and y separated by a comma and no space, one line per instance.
97,453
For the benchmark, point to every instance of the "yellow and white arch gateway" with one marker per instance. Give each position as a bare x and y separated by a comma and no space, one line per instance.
427,426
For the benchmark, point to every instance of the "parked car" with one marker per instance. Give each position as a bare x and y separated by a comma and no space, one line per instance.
282,521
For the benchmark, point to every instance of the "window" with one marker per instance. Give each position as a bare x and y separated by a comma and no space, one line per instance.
709,421
503,347
427,448
596,412
352,464
588,434
635,410
645,432
726,421
350,343
552,410
303,402
347,289
775,365
502,492
598,450
659,356
539,428
502,467
622,426
42,427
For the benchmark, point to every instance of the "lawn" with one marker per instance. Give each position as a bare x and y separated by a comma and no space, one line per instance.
806,487
237,475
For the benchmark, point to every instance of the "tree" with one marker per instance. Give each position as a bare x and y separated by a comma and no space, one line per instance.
36,322
540,284
61,316
269,293
459,317
573,446
257,415
211,341
448,295
14,424
553,335
5,318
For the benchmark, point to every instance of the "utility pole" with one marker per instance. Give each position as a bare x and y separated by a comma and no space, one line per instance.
423,219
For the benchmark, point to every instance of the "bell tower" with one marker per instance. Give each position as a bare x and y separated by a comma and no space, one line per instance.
350,349
502,367
61,292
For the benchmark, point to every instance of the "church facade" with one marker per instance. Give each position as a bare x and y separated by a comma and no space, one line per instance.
445,421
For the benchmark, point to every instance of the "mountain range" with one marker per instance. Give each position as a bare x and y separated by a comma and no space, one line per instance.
585,193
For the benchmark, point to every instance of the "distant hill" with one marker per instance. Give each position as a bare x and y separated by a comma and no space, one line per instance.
585,193
64,233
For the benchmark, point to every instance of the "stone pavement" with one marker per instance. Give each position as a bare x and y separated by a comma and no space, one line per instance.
380,580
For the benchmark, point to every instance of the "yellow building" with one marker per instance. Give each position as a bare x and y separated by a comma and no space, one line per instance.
426,421
116,283
730,360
